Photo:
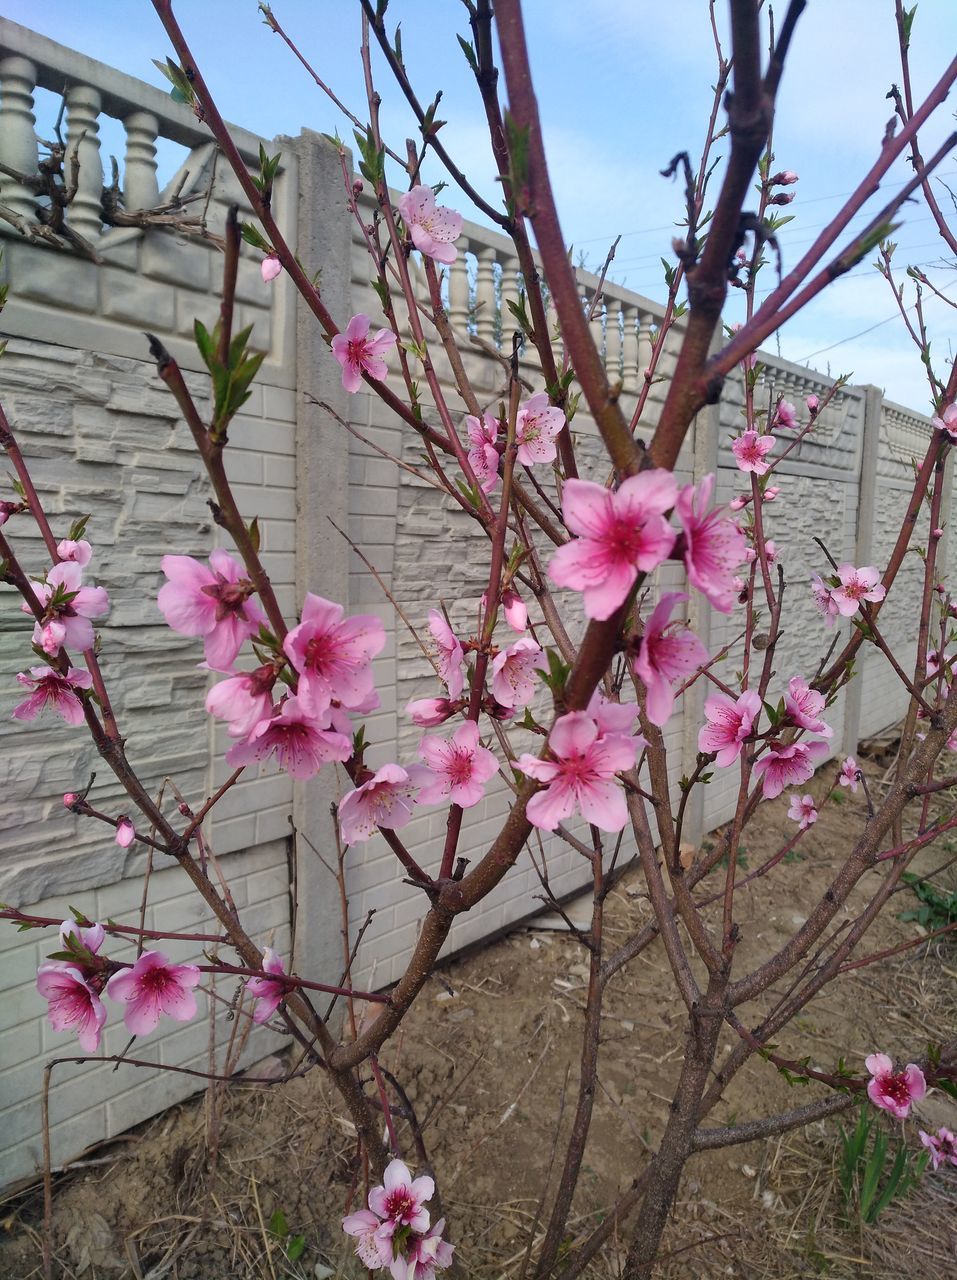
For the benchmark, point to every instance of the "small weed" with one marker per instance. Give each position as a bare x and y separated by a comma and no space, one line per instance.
872,1171
936,909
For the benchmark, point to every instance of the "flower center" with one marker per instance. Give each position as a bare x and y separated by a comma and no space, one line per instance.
895,1087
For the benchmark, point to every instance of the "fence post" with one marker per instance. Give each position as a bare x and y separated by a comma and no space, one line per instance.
323,241
864,542
707,427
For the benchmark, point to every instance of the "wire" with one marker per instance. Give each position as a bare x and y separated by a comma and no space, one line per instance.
896,315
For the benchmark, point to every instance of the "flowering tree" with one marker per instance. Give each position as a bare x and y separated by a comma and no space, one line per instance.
574,726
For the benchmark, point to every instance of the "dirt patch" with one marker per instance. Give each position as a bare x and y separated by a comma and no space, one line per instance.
486,1056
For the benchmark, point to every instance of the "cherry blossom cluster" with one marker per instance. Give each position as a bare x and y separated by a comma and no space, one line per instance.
68,607
323,669
73,981
896,1092
153,986
394,1233
730,722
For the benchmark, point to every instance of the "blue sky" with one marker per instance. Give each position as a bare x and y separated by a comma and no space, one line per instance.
622,85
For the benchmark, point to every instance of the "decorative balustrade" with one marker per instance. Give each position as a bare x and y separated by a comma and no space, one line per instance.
91,89
485,277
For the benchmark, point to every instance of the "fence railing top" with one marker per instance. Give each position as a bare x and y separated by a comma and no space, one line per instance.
58,67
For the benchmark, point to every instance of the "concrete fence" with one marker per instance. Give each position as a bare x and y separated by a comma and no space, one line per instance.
102,435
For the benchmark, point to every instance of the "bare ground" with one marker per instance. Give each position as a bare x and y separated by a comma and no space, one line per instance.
486,1056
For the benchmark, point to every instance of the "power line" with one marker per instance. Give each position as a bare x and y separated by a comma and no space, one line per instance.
896,315
672,226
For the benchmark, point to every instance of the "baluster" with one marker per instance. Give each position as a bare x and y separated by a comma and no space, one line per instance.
485,309
595,323
459,290
84,213
140,187
510,292
18,141
645,343
630,370
613,321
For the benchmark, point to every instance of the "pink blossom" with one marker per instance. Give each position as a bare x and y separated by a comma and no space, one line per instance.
68,607
74,1005
788,766
580,776
714,545
848,775
619,535
942,1147
669,652
536,426
947,421
79,552
243,699
433,228
483,455
513,679
58,692
802,810
614,718
804,705
152,987
358,353
300,744
729,723
401,1201
459,765
786,415
125,833
516,613
751,450
813,403
429,712
770,552
824,599
270,267
451,655
372,1251
211,602
856,585
267,993
89,936
386,800
333,654
891,1090
426,1255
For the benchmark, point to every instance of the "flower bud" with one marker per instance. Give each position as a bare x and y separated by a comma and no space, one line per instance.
270,267
813,403
786,178
782,197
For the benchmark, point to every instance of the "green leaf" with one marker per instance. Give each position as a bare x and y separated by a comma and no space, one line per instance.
516,137
251,235
278,1226
205,343
182,90
908,15
469,51
254,533
296,1248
